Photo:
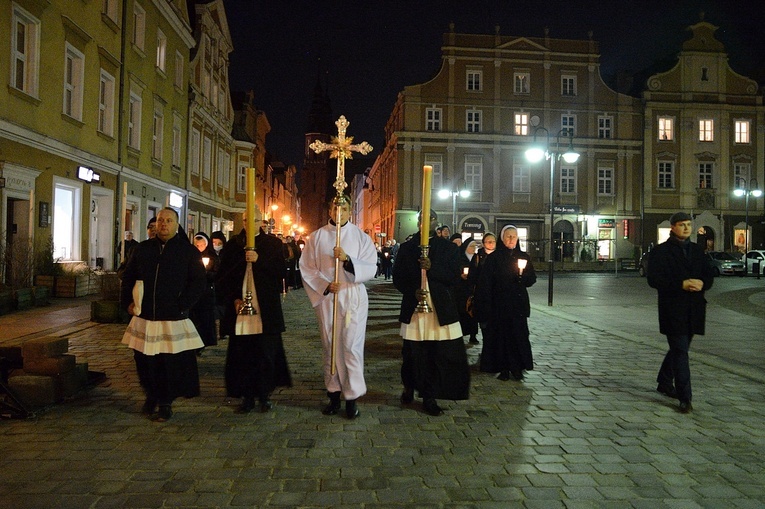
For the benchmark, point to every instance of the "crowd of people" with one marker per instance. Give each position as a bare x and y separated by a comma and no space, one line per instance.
184,294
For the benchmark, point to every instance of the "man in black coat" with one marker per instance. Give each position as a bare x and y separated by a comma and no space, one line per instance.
680,273
255,363
433,353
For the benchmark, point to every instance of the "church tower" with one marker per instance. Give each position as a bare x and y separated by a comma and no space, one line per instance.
317,174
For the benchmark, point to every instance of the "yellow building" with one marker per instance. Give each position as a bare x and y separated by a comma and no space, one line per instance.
78,129
704,138
210,181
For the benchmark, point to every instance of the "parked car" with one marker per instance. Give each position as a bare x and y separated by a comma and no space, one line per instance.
756,256
725,263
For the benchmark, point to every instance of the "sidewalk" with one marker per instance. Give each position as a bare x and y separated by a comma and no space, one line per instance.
585,430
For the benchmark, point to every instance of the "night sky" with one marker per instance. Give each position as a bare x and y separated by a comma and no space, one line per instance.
367,51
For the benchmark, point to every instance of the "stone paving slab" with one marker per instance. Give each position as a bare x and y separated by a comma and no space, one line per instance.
584,430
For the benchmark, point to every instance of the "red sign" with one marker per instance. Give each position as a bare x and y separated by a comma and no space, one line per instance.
377,228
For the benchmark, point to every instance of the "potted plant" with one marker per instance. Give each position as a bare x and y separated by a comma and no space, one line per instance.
45,266
73,280
18,264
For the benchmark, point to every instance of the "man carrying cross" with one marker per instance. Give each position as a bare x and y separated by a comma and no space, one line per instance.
336,261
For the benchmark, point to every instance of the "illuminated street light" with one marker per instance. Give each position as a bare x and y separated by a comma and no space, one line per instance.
534,154
746,189
455,191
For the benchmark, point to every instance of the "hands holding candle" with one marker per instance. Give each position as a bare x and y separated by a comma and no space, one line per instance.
521,265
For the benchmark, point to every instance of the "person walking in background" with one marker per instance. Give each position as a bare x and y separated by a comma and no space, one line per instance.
463,293
203,312
680,273
358,258
434,362
218,241
488,245
386,259
151,228
255,363
162,280
292,258
502,302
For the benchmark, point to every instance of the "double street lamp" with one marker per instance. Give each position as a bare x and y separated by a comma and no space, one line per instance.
458,189
746,189
545,150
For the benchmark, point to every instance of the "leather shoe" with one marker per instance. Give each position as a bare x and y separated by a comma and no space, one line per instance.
266,406
163,414
407,396
431,408
148,406
351,410
667,390
246,407
685,407
517,375
504,376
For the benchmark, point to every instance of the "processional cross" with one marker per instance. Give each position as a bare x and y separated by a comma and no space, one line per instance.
341,148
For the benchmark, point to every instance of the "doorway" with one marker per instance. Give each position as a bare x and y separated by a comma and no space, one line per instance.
18,259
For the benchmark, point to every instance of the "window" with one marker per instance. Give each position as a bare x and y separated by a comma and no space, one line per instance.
139,26
111,9
474,80
604,127
568,180
241,179
521,179
605,181
67,202
473,121
436,161
221,168
473,173
196,141
157,131
106,104
741,171
74,77
433,119
705,175
521,83
666,176
742,131
567,125
666,128
25,51
177,141
706,130
568,85
522,124
226,170
179,62
206,158
134,122
161,50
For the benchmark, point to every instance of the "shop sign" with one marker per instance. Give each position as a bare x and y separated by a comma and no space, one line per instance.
473,224
606,223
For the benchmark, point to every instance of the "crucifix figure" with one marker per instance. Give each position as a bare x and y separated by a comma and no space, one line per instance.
341,148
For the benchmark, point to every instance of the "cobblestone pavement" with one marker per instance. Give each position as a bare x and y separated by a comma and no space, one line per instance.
584,430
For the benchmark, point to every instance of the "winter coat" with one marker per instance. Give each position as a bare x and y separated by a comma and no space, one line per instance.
173,278
501,290
268,273
680,312
443,277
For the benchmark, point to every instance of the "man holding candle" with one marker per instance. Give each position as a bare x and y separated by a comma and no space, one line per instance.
358,263
255,363
434,362
502,301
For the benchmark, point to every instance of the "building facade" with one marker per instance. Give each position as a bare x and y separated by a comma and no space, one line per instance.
704,138
210,179
493,97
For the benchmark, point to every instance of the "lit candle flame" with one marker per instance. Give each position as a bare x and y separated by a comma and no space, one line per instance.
205,260
521,264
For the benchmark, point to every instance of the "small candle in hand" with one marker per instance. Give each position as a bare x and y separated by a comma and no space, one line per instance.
465,270
521,264
205,260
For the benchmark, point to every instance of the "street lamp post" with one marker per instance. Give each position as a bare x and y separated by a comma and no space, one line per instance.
454,191
746,189
536,153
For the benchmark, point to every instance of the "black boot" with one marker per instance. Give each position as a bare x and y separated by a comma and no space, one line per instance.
334,403
248,403
351,411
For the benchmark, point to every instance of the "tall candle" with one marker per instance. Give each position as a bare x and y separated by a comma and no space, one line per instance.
250,207
427,179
